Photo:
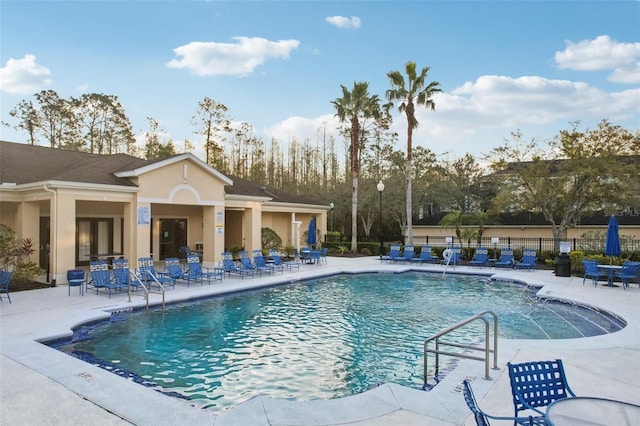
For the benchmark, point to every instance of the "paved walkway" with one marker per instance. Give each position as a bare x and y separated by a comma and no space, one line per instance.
39,385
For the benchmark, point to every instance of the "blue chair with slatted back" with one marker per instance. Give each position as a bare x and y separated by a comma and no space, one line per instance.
506,259
262,265
482,418
149,275
629,273
425,256
480,258
529,260
175,271
5,278
195,267
394,253
592,271
537,384
101,277
229,266
122,274
407,254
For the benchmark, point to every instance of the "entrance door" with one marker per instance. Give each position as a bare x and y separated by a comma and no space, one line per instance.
173,235
93,237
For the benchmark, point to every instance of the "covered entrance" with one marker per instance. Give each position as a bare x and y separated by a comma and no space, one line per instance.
173,235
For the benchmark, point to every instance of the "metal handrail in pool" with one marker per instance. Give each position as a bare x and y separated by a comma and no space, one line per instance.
486,349
134,275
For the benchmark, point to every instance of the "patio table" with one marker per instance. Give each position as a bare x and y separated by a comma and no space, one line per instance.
610,269
585,411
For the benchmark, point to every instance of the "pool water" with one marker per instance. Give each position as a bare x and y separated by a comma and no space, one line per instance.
319,339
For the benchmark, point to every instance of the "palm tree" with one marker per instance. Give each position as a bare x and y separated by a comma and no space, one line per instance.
414,91
356,106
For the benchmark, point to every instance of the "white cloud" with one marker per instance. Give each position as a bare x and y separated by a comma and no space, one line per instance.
241,58
344,22
23,76
602,53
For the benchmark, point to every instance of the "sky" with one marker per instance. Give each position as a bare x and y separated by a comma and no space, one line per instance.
503,66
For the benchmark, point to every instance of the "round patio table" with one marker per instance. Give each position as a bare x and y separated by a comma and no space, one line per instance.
586,411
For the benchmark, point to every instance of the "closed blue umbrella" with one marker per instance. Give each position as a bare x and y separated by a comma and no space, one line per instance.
311,233
612,243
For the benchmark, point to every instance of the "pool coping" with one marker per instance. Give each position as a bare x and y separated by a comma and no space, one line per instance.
119,400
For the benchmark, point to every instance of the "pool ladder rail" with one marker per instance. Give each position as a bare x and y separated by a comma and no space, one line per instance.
486,348
135,277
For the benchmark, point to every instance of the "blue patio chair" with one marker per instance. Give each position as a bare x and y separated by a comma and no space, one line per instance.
101,278
629,273
247,263
425,256
277,260
76,278
149,275
175,272
394,252
592,271
5,278
229,266
480,258
195,268
122,274
323,254
451,256
529,260
407,254
482,418
506,259
537,384
261,262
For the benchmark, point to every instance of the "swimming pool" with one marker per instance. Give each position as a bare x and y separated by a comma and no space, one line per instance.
317,339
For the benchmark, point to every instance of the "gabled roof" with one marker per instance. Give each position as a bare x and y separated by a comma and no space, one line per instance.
23,164
243,187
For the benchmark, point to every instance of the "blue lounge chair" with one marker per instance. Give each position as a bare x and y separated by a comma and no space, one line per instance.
481,258
529,260
407,254
425,256
537,384
592,271
122,274
101,278
451,256
149,275
482,418
175,272
5,278
277,260
629,273
261,262
248,263
229,266
195,268
394,252
506,259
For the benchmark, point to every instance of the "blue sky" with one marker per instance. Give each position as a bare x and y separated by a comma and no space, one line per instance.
533,66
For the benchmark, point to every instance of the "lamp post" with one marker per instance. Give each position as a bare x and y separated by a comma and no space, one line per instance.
380,187
332,206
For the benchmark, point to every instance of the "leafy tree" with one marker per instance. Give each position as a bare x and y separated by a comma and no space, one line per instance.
212,122
102,124
154,146
582,172
356,106
414,90
28,119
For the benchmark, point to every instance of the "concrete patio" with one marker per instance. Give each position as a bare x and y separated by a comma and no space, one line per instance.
39,385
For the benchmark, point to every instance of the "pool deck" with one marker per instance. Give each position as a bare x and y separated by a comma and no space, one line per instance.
40,385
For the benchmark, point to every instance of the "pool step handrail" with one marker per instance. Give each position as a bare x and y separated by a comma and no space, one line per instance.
134,276
482,316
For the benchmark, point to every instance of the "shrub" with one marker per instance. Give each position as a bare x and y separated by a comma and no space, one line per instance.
270,239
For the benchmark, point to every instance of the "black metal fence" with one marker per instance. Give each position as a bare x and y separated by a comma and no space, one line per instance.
587,245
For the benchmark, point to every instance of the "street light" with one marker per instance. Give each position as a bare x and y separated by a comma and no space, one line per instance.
332,206
380,189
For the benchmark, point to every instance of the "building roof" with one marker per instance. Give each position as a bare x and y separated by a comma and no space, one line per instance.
23,164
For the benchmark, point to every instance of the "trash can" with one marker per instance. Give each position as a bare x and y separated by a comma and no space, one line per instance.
563,265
